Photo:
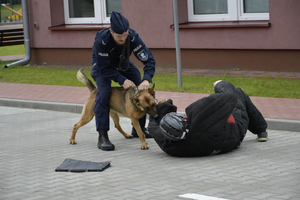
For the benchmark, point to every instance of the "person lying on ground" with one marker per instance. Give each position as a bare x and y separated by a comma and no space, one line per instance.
213,125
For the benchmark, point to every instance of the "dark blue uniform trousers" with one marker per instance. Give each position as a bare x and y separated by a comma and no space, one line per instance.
102,108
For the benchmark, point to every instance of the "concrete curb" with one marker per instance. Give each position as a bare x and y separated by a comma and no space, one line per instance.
283,124
273,124
44,105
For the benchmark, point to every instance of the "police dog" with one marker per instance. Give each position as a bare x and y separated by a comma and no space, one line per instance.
130,103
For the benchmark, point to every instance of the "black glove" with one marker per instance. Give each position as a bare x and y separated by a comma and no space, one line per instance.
164,108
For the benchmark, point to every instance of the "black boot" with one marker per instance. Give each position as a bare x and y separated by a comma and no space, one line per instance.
145,131
103,141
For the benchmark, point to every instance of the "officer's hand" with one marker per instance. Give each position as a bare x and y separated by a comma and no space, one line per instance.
128,84
144,85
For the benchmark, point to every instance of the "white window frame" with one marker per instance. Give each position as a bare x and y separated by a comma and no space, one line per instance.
250,16
99,10
235,13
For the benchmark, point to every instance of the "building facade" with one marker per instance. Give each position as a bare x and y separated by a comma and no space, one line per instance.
214,34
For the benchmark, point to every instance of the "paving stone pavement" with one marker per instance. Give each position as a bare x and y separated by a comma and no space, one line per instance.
34,142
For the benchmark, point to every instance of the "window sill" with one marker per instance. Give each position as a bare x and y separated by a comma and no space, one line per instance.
79,27
207,25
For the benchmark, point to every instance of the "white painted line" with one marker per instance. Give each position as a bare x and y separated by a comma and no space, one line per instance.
200,197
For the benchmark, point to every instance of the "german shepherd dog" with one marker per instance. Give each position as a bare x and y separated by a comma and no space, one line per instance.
130,103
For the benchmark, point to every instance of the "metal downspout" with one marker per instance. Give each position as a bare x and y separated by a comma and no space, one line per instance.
26,37
177,43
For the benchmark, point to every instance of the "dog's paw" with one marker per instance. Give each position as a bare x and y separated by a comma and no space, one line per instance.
73,141
144,147
128,136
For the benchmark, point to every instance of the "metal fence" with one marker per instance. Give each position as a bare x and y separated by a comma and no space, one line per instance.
10,11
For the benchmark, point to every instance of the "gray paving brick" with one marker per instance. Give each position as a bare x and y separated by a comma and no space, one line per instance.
34,142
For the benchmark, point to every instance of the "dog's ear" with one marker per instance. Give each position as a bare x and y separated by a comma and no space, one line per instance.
151,90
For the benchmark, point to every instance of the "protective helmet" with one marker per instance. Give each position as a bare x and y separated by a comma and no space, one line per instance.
173,126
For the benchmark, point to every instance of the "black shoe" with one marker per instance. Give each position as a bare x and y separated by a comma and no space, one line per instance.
262,137
103,141
145,131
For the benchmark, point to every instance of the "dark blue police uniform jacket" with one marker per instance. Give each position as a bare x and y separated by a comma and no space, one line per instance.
106,56
106,59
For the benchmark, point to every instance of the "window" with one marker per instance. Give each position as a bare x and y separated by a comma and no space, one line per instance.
228,10
90,11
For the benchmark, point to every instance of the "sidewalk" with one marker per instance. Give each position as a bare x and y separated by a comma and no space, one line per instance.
281,114
34,142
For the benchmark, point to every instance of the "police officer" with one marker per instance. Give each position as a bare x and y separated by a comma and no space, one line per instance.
110,58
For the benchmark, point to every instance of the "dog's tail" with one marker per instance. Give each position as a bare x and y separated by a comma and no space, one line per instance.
83,79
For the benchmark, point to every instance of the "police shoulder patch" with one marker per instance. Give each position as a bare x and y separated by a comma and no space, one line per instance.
142,55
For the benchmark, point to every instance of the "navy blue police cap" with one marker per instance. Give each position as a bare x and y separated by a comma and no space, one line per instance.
118,23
